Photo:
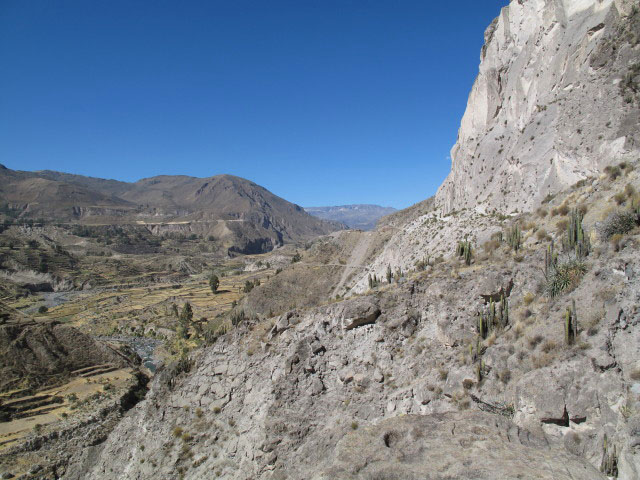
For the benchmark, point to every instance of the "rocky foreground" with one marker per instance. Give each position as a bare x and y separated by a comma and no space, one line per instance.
401,381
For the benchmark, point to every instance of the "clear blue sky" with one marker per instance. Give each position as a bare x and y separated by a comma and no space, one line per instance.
323,102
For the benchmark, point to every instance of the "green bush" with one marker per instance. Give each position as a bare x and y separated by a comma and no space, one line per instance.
214,283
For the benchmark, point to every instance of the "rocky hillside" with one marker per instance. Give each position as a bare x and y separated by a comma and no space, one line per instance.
363,217
557,99
459,339
516,351
246,217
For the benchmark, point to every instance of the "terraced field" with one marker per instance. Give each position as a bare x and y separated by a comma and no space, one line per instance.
145,308
32,412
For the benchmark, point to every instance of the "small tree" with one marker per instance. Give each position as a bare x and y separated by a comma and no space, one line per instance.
214,283
186,316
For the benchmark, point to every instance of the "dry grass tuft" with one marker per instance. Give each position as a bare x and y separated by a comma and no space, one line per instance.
528,298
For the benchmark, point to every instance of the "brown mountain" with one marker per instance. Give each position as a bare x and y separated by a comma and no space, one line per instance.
246,217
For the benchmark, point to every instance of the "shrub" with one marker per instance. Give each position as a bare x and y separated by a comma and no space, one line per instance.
177,432
563,209
564,277
542,360
490,246
354,425
214,283
615,241
43,309
629,190
583,209
542,213
549,346
505,375
620,198
613,172
467,383
534,341
561,226
618,222
541,234
528,298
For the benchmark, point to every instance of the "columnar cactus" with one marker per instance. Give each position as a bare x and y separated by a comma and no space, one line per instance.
550,259
464,250
570,324
609,465
514,237
576,239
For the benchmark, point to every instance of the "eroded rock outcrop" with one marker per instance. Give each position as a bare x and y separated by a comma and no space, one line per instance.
556,100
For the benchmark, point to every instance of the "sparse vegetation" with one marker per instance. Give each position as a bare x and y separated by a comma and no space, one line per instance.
564,277
618,222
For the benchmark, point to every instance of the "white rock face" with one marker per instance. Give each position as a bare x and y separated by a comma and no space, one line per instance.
549,106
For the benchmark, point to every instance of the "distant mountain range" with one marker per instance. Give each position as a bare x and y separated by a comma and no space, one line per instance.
246,217
363,217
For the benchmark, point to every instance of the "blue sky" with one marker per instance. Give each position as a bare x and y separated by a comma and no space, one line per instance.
323,102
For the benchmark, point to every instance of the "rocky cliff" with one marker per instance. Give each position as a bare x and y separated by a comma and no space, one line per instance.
556,99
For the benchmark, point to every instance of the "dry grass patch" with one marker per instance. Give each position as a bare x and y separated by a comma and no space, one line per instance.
542,360
528,298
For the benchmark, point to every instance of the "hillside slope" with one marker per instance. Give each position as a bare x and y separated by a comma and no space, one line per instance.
246,217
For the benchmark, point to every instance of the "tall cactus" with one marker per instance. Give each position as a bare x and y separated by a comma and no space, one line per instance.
504,306
609,465
570,324
576,239
550,259
464,249
479,370
514,237
483,328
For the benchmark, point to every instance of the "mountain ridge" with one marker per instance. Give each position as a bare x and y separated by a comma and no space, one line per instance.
359,216
237,210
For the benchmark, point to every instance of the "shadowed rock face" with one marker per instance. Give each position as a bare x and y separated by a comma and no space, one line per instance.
453,445
556,99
